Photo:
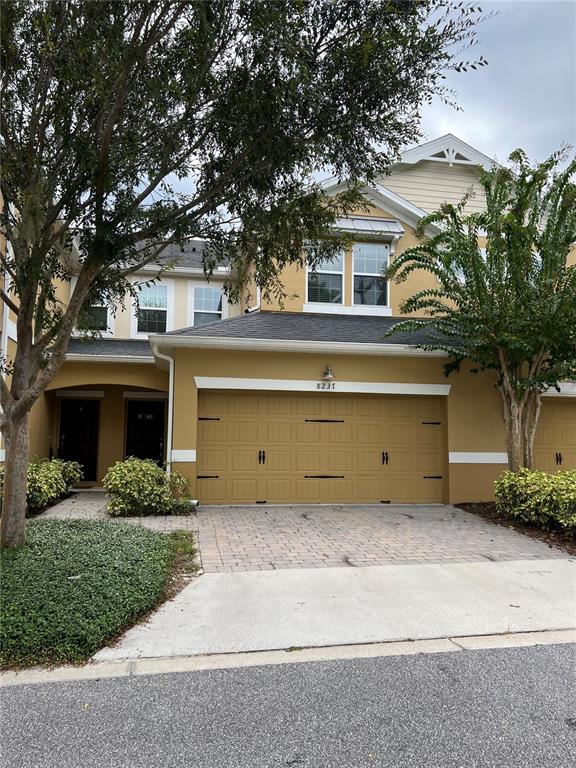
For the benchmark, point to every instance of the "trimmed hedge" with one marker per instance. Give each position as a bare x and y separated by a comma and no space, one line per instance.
539,498
47,481
75,585
141,487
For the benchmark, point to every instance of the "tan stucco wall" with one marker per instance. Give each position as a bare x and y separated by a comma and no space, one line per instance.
95,374
294,278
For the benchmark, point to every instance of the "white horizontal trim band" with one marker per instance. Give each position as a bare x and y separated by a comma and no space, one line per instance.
338,309
74,358
567,389
293,345
79,393
183,455
303,385
477,457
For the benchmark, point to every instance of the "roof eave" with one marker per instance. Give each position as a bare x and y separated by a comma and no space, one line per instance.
289,345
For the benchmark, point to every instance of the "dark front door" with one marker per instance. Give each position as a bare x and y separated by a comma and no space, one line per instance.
145,429
79,423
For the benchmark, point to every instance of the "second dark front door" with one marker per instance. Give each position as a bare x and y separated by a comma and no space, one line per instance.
79,421
145,429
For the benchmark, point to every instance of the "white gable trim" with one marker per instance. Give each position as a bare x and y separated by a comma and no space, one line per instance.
451,149
383,197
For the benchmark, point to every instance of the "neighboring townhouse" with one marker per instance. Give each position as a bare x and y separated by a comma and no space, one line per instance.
303,403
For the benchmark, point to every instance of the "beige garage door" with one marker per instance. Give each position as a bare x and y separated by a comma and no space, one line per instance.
555,443
316,448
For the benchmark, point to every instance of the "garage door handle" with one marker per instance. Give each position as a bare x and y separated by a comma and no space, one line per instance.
385,457
261,457
558,459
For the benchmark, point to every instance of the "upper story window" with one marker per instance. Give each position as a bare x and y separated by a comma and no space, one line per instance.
207,304
152,309
370,288
326,281
94,318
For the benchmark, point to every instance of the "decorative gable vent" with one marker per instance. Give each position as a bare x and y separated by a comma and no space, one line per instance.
446,149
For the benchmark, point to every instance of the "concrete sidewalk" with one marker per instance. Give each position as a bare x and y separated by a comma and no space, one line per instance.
242,612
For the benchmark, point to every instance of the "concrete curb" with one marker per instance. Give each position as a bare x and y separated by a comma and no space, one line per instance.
165,665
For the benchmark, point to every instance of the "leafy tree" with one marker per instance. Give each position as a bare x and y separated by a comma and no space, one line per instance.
109,107
509,307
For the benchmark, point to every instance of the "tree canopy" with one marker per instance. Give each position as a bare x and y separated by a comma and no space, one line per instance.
510,306
132,125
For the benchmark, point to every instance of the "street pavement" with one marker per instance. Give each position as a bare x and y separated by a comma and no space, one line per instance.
502,708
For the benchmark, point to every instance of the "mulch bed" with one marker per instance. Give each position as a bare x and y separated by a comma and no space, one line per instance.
488,511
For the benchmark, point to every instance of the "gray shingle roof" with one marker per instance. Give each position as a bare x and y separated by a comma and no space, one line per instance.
292,326
187,256
110,347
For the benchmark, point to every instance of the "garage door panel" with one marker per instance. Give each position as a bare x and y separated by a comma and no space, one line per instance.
555,442
318,448
212,432
212,461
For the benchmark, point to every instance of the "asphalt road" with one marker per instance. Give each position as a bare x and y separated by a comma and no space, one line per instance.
502,708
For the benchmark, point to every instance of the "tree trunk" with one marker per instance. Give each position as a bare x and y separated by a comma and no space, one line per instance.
530,418
13,524
513,423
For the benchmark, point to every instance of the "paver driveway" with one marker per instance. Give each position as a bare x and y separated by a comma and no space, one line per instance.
278,537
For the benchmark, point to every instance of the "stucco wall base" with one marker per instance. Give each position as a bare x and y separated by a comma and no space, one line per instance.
473,482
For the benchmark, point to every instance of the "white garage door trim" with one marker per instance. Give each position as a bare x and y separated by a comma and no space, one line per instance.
304,385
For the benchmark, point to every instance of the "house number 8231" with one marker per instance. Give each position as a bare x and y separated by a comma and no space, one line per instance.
326,385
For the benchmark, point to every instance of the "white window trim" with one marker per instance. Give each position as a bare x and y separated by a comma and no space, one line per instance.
386,309
192,284
317,304
110,319
134,334
341,309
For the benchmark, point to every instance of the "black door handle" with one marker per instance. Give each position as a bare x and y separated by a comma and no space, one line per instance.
263,457
384,457
259,457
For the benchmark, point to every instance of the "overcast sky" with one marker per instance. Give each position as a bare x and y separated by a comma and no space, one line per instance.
526,96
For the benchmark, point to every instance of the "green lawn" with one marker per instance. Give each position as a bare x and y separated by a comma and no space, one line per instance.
77,584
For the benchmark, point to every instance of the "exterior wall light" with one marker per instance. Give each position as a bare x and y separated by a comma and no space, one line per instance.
328,374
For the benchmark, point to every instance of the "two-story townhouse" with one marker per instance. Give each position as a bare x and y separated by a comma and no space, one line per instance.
305,402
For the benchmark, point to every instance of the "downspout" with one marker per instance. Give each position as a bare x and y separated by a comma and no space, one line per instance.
170,361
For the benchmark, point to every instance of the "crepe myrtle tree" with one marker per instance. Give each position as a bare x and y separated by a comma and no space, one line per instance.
143,124
509,307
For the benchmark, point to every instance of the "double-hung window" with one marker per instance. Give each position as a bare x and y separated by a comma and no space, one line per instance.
325,281
370,288
207,304
94,318
153,308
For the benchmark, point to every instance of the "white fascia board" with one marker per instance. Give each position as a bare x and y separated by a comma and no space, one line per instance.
315,385
567,389
392,203
292,345
477,457
75,358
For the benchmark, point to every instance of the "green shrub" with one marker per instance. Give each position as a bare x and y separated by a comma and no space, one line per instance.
77,584
141,487
47,481
539,498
